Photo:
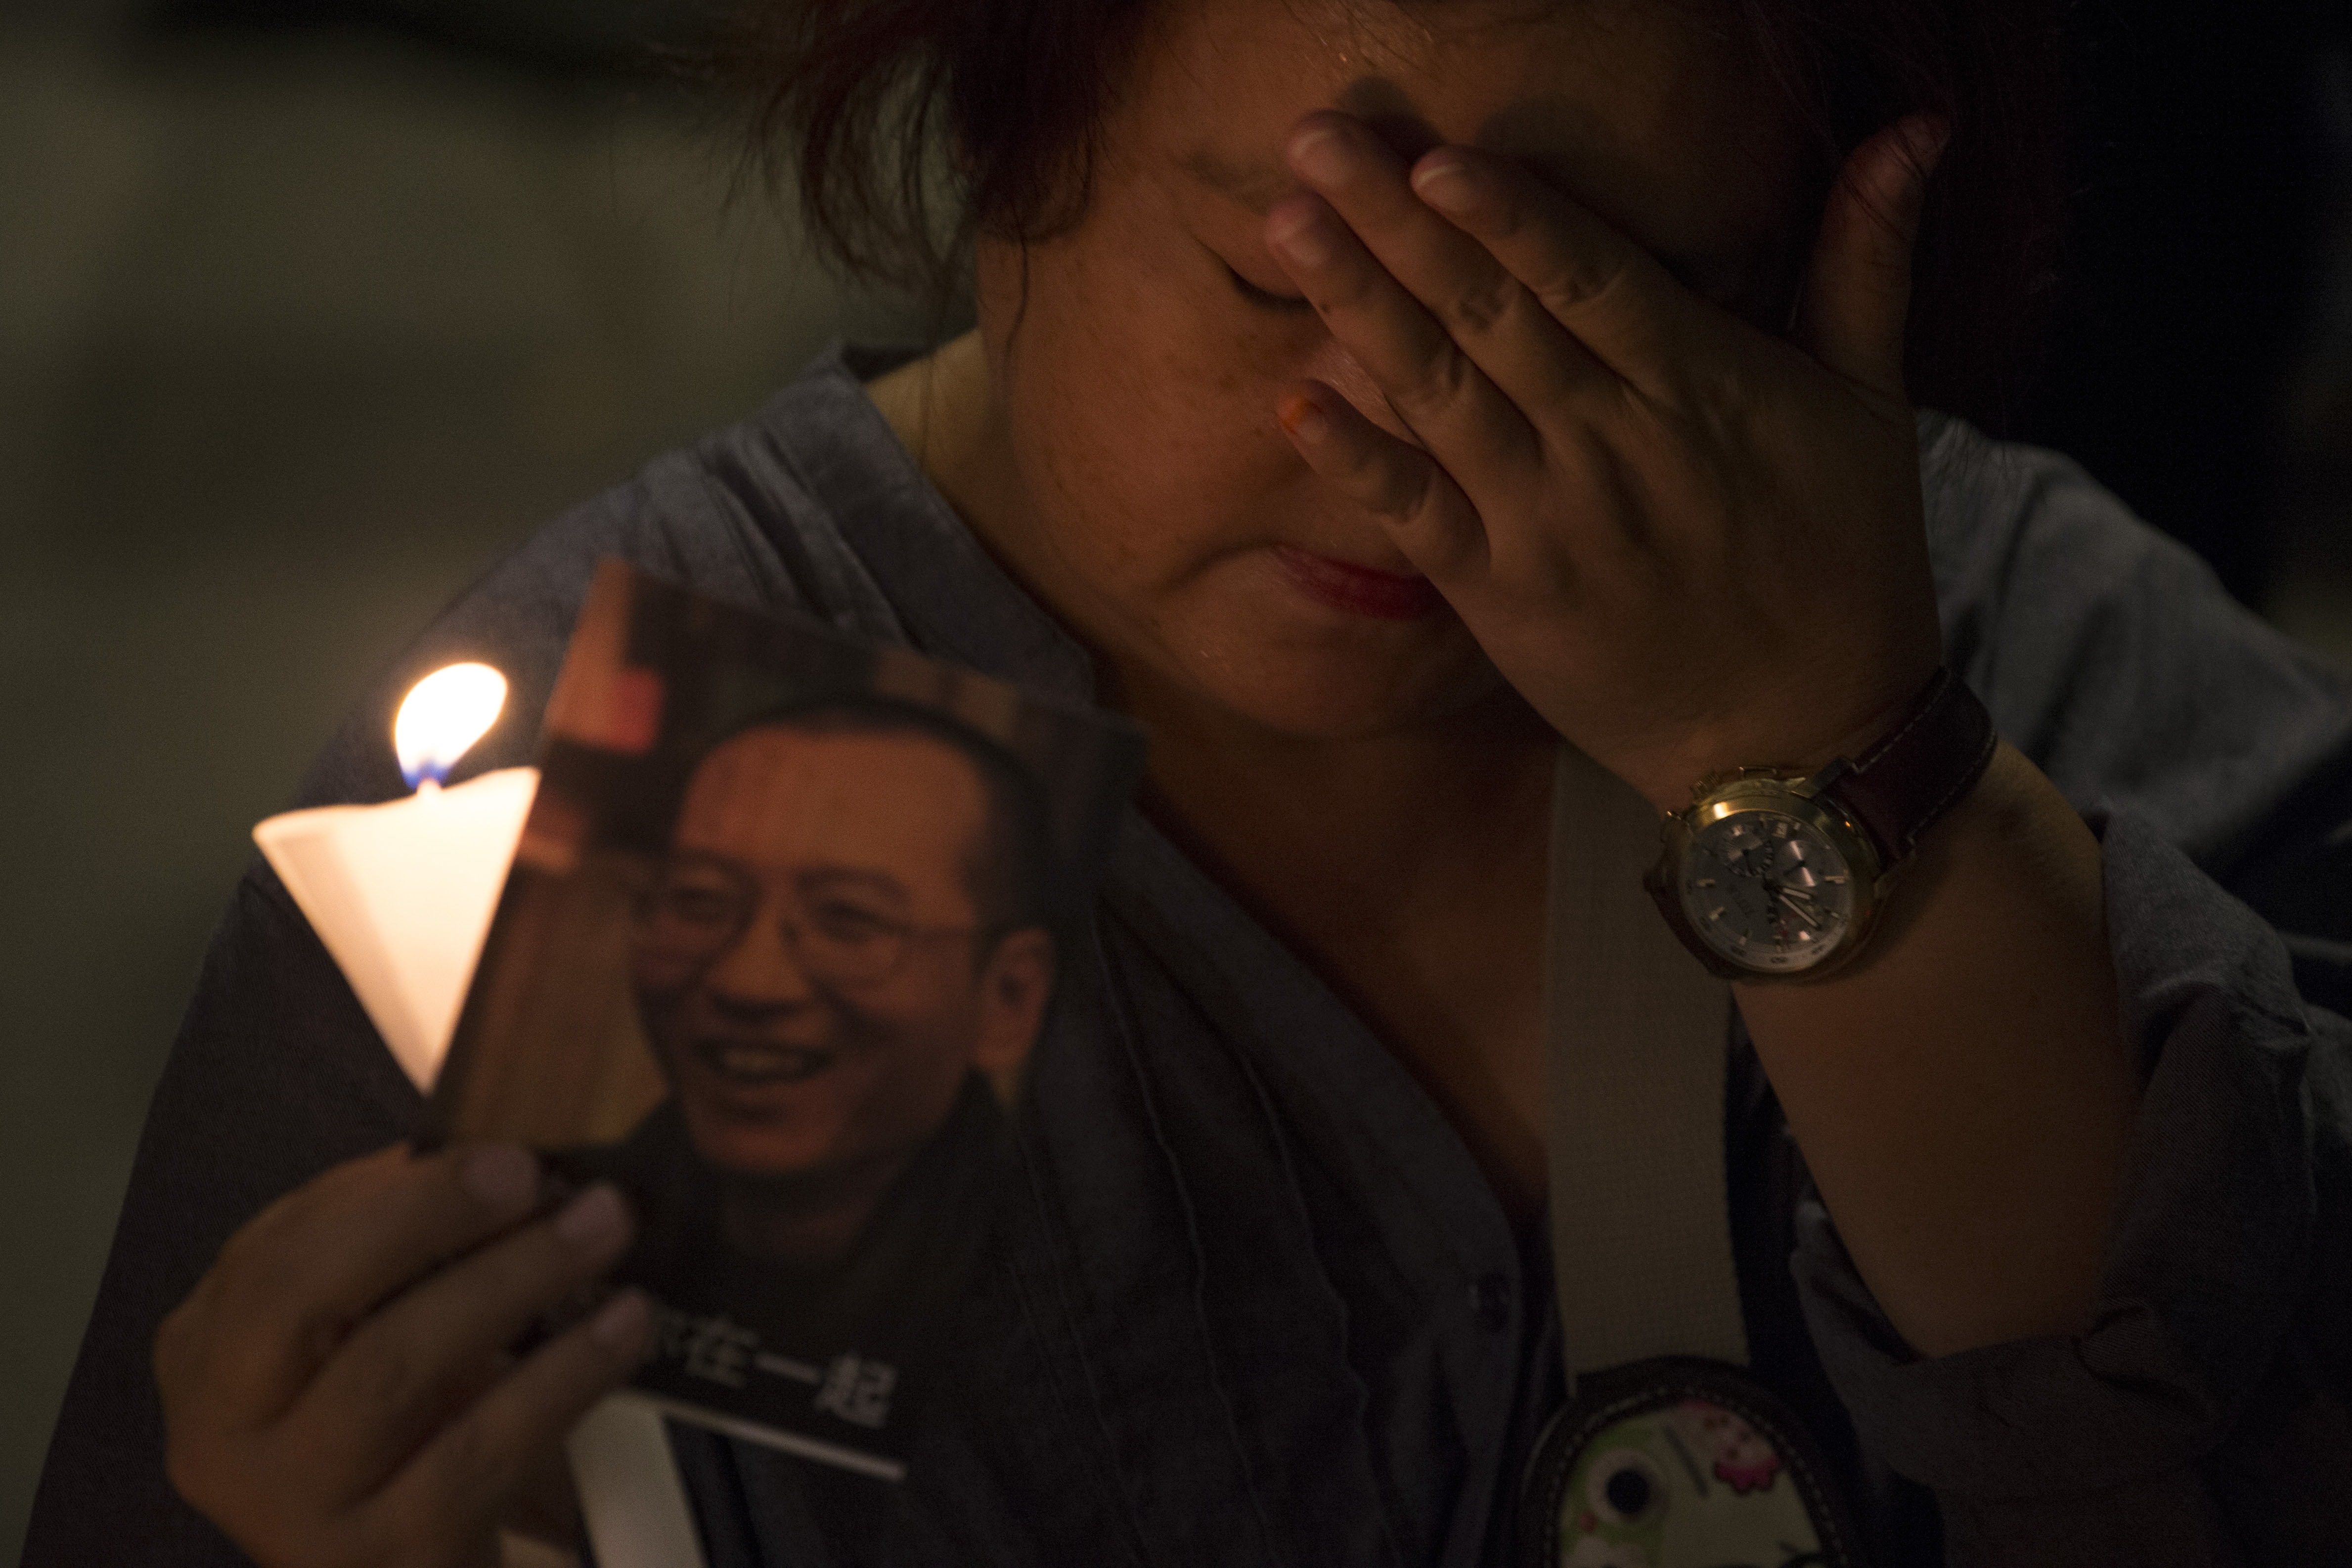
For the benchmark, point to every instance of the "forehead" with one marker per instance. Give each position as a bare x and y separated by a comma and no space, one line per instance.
1656,113
903,803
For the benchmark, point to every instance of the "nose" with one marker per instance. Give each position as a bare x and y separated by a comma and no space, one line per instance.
759,972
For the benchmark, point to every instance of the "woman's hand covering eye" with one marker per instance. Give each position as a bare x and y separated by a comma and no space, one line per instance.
1688,543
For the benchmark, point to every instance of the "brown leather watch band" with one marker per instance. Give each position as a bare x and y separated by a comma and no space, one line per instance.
1933,756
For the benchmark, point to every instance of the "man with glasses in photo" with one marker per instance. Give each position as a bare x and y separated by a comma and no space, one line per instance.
840,965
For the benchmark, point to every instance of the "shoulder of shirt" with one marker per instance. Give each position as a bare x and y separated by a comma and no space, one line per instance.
2111,655
736,515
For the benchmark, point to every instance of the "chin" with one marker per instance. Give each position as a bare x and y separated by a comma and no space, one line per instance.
1338,694
782,1149
765,1159
1291,663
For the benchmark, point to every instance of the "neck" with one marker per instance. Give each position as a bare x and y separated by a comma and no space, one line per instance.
1408,871
1408,801
940,408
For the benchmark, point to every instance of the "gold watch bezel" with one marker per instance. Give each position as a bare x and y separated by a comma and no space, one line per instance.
1787,793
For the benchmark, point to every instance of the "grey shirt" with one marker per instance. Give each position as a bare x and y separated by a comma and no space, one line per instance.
1251,1301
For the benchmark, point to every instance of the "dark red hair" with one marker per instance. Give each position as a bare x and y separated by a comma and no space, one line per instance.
857,101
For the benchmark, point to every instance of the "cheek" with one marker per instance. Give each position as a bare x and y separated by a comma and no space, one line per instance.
658,976
910,1090
1141,407
895,1098
1140,393
922,1020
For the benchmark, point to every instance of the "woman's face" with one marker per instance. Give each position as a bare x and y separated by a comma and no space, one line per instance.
1151,496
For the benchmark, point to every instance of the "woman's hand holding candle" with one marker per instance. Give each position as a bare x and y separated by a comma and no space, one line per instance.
337,1388
334,1394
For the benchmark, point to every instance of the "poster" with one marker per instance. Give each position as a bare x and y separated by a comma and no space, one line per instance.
783,929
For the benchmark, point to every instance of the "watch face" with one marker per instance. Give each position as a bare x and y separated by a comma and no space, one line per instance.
1767,890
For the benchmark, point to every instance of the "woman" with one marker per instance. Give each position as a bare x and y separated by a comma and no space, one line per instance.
1366,398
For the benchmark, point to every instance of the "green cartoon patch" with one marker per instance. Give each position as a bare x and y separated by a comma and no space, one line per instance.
1680,1464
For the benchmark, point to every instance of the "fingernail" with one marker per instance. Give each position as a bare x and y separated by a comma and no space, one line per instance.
1444,183
1316,154
501,1176
1302,239
594,1222
621,1321
1927,138
1302,418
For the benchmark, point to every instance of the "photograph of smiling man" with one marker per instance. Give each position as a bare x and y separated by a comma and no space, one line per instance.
782,935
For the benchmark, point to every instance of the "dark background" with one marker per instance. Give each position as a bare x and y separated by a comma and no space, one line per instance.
310,309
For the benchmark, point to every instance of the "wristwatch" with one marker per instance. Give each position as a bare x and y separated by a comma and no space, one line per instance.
1770,875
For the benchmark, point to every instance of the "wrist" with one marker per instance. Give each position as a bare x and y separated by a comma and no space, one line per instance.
1777,872
1798,744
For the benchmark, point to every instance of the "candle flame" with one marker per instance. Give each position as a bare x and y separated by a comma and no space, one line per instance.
442,716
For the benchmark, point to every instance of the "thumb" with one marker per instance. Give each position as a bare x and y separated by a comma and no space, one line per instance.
1858,288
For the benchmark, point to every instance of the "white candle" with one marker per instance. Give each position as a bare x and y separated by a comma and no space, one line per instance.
401,893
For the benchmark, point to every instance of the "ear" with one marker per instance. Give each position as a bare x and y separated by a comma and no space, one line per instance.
1015,987
1857,294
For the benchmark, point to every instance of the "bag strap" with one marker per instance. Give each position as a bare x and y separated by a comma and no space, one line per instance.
1635,1044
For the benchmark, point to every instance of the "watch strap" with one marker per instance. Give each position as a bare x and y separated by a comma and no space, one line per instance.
1932,756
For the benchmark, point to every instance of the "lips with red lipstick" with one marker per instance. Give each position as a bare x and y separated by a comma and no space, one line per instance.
1358,589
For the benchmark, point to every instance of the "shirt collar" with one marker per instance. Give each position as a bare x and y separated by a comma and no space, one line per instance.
952,597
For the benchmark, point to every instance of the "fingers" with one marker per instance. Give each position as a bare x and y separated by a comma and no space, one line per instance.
371,1349
464,1478
1402,487
1368,254
289,1287
1603,292
1858,293
400,1374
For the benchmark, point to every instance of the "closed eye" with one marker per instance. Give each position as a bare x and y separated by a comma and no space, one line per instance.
1286,304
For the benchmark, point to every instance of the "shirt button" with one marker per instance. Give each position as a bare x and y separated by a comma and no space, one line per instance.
1490,1298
